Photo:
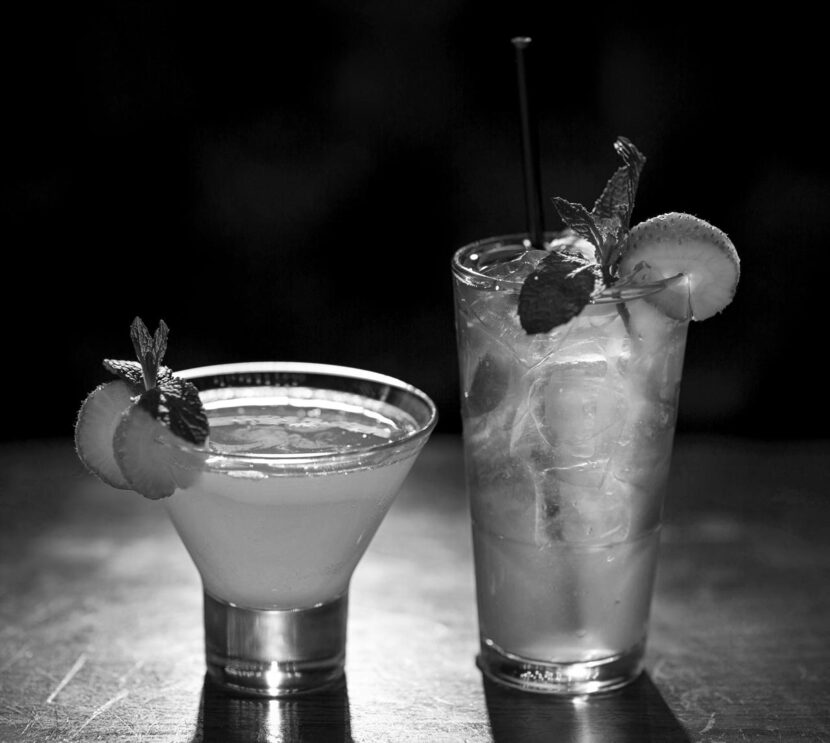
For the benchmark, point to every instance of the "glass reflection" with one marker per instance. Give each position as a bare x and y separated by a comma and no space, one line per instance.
635,714
319,716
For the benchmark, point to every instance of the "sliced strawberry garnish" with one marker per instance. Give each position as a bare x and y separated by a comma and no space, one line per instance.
153,460
148,430
682,244
98,418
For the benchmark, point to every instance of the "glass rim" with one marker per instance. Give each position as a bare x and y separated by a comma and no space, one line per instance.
330,459
609,295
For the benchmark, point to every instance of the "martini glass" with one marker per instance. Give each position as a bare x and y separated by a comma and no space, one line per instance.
305,461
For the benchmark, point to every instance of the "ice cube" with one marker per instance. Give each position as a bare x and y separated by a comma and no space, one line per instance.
516,269
540,433
593,515
578,514
644,448
565,431
503,496
527,435
584,409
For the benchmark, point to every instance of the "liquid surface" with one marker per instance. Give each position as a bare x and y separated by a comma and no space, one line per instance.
299,420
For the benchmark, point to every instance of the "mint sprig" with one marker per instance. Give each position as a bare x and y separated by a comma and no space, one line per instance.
133,374
570,278
149,349
172,401
175,403
551,296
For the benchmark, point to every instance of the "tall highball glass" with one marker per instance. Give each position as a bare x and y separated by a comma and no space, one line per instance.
567,440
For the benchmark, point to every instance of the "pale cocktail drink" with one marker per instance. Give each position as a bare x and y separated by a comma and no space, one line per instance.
269,533
568,438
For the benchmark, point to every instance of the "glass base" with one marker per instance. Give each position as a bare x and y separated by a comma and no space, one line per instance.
565,679
272,653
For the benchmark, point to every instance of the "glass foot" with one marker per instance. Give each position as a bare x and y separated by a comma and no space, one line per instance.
566,679
272,653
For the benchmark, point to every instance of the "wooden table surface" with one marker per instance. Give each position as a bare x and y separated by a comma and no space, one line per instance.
101,637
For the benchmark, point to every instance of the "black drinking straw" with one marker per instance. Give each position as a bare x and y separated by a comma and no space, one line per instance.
530,158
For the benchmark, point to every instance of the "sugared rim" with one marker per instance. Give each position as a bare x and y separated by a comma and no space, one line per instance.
253,368
521,240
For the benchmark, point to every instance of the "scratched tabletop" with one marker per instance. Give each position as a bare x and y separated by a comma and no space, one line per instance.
101,636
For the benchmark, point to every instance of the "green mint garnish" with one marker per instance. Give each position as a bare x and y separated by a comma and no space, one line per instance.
149,349
172,401
555,292
175,403
132,372
569,279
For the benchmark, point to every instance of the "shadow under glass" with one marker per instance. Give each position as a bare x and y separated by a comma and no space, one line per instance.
635,714
322,716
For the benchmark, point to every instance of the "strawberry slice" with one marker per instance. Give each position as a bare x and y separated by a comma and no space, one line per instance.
153,460
148,430
680,244
98,418
488,387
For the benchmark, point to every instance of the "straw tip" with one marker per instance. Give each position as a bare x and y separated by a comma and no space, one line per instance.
520,42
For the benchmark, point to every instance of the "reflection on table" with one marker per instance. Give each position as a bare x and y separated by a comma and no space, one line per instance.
102,638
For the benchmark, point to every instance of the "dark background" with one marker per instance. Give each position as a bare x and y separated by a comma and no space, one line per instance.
291,184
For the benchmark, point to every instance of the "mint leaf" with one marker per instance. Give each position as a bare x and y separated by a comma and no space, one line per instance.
176,404
172,401
160,341
131,372
606,225
149,349
582,222
617,198
556,291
